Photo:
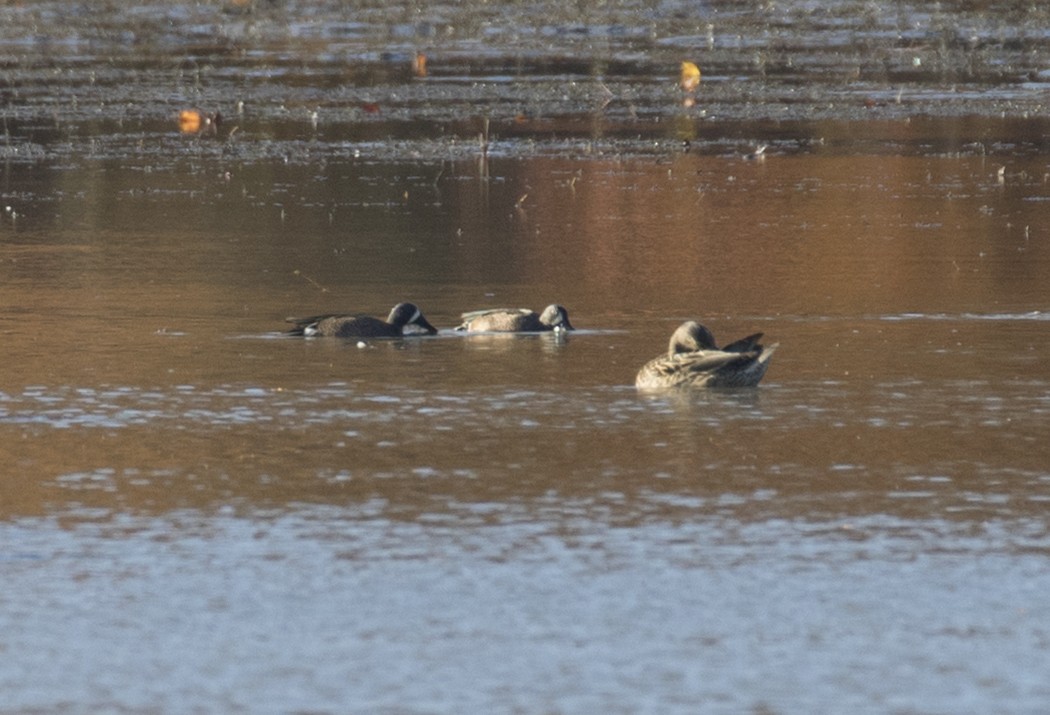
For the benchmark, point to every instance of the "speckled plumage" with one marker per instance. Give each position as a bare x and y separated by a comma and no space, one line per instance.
693,360
520,320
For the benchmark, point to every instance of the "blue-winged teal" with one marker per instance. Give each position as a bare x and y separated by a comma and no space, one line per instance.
363,326
522,320
693,360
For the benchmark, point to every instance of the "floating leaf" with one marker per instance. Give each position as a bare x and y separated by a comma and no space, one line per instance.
690,78
190,121
419,65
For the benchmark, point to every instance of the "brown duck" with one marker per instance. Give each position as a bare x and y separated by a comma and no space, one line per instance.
521,320
693,360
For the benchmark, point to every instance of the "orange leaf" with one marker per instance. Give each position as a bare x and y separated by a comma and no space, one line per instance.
419,65
189,121
690,78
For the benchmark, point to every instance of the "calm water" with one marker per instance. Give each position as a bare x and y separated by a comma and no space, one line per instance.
199,514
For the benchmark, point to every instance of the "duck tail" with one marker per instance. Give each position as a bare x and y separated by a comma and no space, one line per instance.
767,353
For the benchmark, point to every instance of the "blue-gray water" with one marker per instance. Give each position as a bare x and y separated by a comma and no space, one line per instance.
200,514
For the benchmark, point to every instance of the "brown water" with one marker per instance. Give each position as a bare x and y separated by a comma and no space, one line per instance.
200,514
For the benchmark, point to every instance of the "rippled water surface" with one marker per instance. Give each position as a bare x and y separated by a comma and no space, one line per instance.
199,513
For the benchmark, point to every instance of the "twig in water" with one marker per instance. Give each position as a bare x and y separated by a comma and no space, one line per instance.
310,280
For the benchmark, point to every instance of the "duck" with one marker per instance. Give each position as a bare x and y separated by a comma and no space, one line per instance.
694,360
516,320
363,326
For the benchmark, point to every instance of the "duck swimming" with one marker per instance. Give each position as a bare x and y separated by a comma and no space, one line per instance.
694,360
363,326
521,320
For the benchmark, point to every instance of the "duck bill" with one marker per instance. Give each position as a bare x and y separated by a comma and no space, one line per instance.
564,325
425,327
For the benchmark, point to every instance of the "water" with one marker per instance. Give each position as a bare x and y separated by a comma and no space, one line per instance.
200,514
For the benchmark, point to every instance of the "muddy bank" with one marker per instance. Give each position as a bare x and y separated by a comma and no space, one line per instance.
294,79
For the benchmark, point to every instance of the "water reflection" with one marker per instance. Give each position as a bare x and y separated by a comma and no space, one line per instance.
701,231
817,447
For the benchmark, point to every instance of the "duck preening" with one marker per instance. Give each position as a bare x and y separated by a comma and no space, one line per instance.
694,360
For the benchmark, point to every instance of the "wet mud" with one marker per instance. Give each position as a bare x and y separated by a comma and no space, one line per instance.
293,81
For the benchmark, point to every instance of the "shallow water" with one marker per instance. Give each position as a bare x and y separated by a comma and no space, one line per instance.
198,513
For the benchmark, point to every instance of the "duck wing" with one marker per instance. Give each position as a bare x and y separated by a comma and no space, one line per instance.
710,361
301,324
467,317
744,345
